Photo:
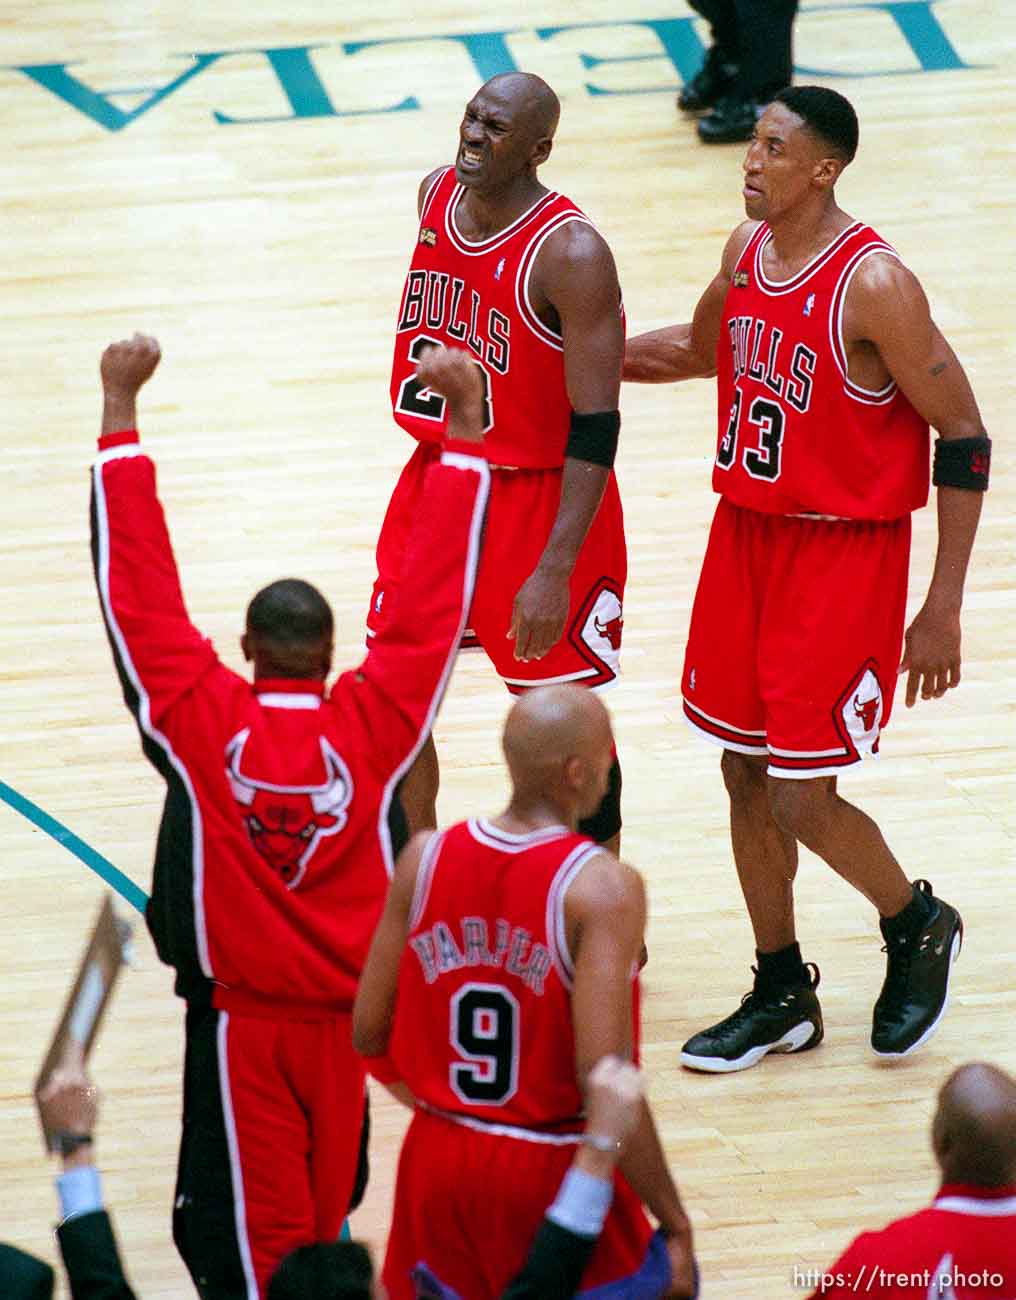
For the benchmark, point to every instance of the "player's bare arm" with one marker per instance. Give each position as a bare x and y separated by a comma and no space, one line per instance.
374,1008
605,915
575,288
888,332
125,367
688,351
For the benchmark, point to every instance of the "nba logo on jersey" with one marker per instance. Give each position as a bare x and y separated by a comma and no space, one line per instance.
862,712
809,304
500,268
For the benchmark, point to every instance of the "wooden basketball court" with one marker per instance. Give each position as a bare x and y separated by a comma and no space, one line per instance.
240,181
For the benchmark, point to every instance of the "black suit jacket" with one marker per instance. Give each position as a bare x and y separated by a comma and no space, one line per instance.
92,1259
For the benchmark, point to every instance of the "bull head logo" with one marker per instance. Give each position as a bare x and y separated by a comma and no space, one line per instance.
286,823
866,710
610,630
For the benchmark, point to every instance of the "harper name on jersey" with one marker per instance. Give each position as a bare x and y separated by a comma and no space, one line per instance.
513,950
796,435
476,295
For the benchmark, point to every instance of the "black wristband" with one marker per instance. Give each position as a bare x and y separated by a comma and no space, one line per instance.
963,463
593,437
65,1144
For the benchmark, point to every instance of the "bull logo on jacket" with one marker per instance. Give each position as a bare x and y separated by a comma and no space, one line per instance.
286,823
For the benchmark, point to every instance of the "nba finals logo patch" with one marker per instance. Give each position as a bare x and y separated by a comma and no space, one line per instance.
809,304
740,279
428,236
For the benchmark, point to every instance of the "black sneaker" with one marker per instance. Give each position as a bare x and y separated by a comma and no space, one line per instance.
731,121
784,1018
916,988
712,81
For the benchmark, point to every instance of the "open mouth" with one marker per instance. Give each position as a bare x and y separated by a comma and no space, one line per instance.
470,158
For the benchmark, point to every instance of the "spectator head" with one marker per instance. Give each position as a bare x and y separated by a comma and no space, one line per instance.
973,1133
290,631
827,115
340,1270
559,748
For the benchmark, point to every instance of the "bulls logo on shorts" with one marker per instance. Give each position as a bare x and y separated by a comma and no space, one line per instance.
860,711
286,823
596,633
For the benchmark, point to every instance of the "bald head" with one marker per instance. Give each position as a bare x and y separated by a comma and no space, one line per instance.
558,745
974,1130
530,101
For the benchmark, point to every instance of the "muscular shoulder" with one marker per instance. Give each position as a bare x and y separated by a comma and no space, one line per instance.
883,295
605,885
425,185
576,260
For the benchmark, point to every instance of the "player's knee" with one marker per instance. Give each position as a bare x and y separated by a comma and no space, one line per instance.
605,823
744,775
801,808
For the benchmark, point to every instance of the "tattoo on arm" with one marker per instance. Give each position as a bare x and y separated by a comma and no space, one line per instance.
937,370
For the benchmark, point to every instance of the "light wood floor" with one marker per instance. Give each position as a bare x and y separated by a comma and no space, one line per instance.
268,258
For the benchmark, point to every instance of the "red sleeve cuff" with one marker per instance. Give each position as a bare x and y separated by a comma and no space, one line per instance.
118,439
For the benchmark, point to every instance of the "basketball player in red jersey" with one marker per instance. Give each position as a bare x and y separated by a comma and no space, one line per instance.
275,847
517,274
830,370
503,967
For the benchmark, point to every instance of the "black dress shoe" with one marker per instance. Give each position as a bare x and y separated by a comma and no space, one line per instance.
730,121
710,83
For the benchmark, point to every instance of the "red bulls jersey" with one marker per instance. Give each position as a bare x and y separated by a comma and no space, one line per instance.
483,1025
961,1248
274,847
476,296
796,435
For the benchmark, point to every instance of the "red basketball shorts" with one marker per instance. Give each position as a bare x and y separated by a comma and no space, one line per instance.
523,507
272,1118
468,1204
795,637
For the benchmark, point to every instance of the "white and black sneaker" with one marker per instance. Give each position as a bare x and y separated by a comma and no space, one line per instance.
771,1018
916,987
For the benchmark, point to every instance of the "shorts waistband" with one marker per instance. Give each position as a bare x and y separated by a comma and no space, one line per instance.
502,1130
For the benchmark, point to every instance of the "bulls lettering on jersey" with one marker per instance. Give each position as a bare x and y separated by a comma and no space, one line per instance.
483,1026
795,434
475,295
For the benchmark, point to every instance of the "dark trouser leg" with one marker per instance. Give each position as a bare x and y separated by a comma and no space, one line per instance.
722,17
204,1214
764,37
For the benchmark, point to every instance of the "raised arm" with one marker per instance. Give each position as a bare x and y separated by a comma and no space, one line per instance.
575,277
886,309
687,351
400,684
605,912
158,653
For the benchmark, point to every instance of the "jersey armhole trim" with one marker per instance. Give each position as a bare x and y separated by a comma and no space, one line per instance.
868,396
424,876
557,937
522,277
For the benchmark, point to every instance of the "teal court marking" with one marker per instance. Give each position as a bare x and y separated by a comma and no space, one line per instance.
92,859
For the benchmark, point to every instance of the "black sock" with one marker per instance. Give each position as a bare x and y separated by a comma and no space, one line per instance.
782,967
910,920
